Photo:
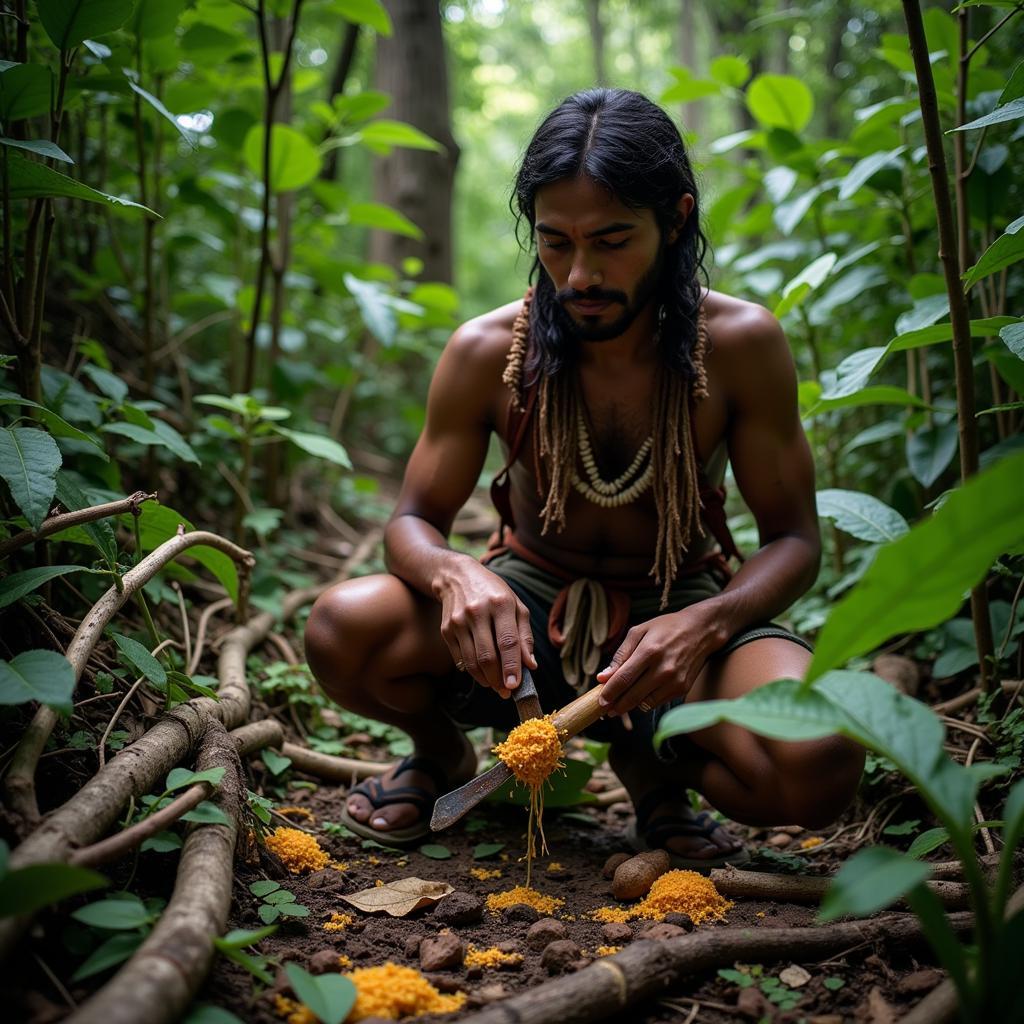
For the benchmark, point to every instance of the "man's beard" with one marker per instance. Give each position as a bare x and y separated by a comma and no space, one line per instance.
589,329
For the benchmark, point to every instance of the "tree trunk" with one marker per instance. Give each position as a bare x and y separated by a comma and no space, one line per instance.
597,40
411,69
693,111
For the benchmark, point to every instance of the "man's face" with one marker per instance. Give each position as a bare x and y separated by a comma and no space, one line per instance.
604,259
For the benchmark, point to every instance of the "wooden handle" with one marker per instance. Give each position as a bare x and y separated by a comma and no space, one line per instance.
579,714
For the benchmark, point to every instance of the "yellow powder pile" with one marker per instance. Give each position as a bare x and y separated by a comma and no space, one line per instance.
607,950
533,751
344,962
296,812
676,892
523,894
483,874
294,1012
492,957
338,922
338,865
555,866
394,992
297,850
811,842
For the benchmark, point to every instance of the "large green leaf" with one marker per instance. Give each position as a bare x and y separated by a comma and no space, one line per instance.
294,160
1012,111
383,134
141,658
877,394
18,584
810,278
25,91
163,435
364,12
58,426
861,515
114,914
69,22
319,445
863,170
1013,337
31,888
1007,249
41,147
329,996
780,101
45,676
930,450
29,460
101,533
162,110
378,215
155,18
870,880
29,179
115,950
374,307
920,580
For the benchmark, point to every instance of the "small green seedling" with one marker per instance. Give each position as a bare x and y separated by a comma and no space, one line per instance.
276,902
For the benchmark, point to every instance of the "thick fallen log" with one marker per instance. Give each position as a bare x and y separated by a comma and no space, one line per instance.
647,970
160,979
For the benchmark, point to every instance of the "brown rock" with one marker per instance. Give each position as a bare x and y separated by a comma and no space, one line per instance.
459,908
491,993
680,921
323,879
520,912
509,946
608,871
780,840
545,931
662,931
752,1004
444,983
919,981
324,961
412,945
617,933
558,955
899,671
441,952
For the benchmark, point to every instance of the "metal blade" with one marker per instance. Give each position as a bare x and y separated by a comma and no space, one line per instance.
452,806
525,696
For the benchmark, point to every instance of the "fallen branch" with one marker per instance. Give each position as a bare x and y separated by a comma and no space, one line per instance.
204,618
761,885
331,768
54,524
160,979
646,969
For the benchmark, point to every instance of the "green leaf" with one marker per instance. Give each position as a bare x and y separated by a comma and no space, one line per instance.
206,813
928,841
321,446
115,950
951,551
239,938
264,887
435,851
28,179
29,460
179,778
268,913
293,909
18,584
25,91
809,279
564,788
45,676
741,978
162,842
871,880
780,101
833,984
1013,835
31,888
1013,337
280,896
141,658
159,107
1006,250
1012,111
730,70
69,23
378,215
329,996
114,914
382,134
904,828
880,394
484,850
374,307
861,515
101,533
294,160
364,12
275,762
207,1013
930,450
163,435
41,147
865,169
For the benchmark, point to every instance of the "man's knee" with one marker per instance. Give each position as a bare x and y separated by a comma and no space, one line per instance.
819,779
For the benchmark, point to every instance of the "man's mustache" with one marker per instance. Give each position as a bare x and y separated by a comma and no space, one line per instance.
590,295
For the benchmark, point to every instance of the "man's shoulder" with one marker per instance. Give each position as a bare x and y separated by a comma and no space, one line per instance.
739,327
486,338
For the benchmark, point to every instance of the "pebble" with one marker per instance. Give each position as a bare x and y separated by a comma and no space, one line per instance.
608,871
509,946
441,952
444,983
491,993
617,933
558,955
919,981
520,912
545,931
324,961
412,946
780,840
459,908
680,921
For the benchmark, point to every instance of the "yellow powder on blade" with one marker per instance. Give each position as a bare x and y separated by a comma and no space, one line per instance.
297,850
394,992
492,957
338,922
523,894
675,892
533,751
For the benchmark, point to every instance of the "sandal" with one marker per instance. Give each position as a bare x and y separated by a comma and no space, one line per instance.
373,790
648,833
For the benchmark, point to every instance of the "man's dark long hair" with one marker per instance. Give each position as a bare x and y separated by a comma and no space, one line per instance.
629,145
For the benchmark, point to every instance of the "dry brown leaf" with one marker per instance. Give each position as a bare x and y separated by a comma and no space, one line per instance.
794,976
400,897
879,1011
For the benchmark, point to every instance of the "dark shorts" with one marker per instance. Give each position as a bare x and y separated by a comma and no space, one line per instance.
471,705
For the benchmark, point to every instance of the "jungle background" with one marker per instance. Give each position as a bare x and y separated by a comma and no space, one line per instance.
237,235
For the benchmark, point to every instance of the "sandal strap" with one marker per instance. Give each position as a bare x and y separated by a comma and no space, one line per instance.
663,828
428,766
373,788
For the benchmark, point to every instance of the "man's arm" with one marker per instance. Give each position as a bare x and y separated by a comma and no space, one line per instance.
484,624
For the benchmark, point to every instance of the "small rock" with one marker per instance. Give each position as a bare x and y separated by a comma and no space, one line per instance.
509,946
794,976
919,981
459,908
621,809
441,952
617,933
780,840
558,955
491,993
412,946
751,1003
322,879
444,983
475,972
545,931
324,961
661,931
331,717
608,871
791,830
898,671
520,912
680,921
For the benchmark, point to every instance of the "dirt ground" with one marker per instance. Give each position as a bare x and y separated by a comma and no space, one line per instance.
872,984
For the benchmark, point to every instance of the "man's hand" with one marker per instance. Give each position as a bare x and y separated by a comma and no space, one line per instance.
485,625
659,660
